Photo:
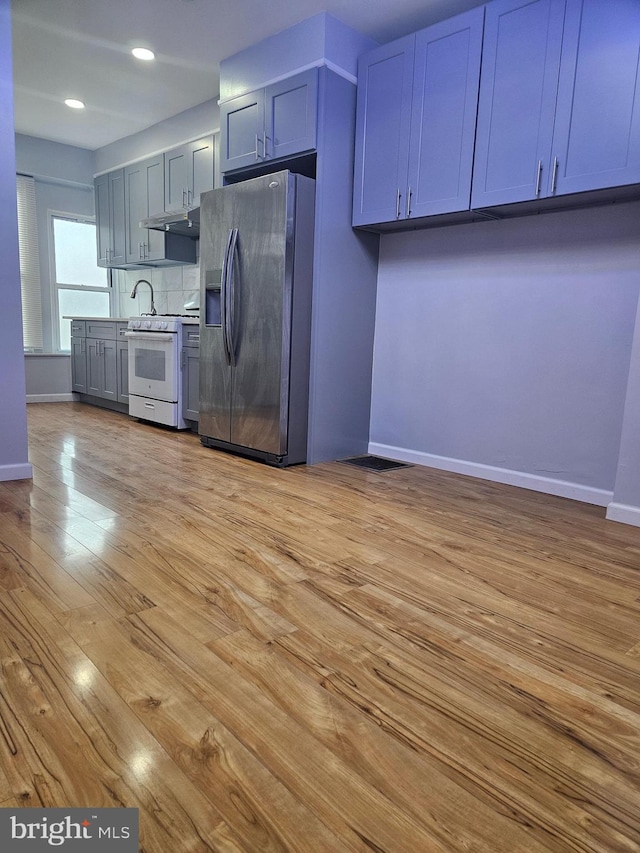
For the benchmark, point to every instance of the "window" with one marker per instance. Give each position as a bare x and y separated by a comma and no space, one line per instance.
81,287
29,264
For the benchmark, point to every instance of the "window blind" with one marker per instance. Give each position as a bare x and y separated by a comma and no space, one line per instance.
29,264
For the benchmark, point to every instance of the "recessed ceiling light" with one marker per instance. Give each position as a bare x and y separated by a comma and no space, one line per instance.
74,103
143,53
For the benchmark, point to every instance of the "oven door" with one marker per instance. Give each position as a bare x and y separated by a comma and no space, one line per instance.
153,365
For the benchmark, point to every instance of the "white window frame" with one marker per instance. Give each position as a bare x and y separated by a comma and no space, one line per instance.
56,285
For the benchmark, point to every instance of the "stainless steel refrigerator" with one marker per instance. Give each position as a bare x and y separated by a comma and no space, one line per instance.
256,270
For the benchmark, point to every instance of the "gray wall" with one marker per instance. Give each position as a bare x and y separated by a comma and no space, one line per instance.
14,464
184,127
507,345
52,160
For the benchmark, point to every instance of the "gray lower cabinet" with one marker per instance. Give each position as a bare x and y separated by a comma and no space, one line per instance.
102,373
100,361
122,360
78,357
190,363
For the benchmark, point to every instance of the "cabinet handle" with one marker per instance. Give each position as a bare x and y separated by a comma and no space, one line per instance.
398,197
184,197
538,177
554,175
264,144
408,207
83,342
189,198
257,156
139,251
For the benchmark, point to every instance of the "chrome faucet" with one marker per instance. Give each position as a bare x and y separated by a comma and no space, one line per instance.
135,288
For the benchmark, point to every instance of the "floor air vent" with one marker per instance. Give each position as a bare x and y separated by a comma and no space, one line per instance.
375,463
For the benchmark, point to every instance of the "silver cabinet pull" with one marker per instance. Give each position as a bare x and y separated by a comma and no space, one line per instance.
184,197
554,175
538,177
408,207
257,156
398,197
264,144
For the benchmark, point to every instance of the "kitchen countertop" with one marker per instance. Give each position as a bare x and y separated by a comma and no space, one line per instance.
187,321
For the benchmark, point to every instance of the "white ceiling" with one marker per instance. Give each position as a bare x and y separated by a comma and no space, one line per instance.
81,49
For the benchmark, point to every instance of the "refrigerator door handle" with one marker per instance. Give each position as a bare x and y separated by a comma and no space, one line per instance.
224,287
231,293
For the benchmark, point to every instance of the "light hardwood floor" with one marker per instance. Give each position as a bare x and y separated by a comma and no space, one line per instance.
320,659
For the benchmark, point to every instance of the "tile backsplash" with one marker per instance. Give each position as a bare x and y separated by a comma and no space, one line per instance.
173,288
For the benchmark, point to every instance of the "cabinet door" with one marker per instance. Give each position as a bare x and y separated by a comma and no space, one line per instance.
190,383
144,195
79,365
110,228
109,370
103,219
443,115
242,131
136,209
95,381
154,203
188,171
516,108
175,178
597,132
291,115
117,254
123,371
383,115
200,169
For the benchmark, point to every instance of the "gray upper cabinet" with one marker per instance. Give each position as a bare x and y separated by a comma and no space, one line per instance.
596,140
559,109
110,218
188,171
416,115
383,116
273,123
520,66
144,196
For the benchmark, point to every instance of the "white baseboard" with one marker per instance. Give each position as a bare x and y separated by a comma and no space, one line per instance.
51,398
560,488
16,472
624,513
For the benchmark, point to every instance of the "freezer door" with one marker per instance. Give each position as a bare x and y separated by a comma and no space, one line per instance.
246,262
216,216
260,282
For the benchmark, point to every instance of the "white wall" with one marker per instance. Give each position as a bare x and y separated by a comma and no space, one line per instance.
504,347
14,464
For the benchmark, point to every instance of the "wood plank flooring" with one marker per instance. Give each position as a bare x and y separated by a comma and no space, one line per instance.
320,659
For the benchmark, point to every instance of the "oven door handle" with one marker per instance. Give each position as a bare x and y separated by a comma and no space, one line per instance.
149,336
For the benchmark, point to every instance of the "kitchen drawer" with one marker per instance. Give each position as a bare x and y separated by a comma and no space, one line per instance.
104,329
78,329
191,336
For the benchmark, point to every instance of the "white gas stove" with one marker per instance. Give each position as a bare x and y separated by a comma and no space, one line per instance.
155,375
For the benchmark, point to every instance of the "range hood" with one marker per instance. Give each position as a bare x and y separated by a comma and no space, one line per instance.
185,222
